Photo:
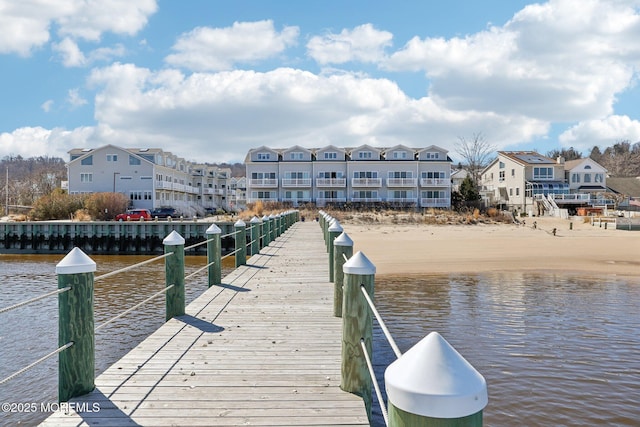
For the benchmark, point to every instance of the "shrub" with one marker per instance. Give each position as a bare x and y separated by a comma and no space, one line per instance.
105,206
57,205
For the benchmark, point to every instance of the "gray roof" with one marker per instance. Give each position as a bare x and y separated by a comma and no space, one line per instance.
627,186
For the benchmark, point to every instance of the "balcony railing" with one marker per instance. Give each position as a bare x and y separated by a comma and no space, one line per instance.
403,200
366,182
435,182
331,182
402,182
296,182
264,182
435,203
366,199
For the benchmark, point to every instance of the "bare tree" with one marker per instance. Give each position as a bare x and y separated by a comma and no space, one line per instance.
476,153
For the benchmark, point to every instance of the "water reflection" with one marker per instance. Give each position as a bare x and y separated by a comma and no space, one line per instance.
555,349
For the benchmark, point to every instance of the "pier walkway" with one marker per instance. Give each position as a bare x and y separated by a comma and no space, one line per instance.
261,349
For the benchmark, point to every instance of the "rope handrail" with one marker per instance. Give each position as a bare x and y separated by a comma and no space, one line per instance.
129,310
198,244
375,382
38,298
229,234
345,256
230,253
42,359
199,270
395,348
131,267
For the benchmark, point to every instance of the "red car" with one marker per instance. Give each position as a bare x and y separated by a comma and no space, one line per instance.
134,215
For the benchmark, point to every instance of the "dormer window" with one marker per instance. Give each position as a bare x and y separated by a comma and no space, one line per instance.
296,155
264,156
433,155
330,155
365,155
398,155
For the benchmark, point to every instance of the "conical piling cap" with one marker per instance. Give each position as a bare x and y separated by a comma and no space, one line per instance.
240,223
213,229
255,220
75,262
173,239
359,264
343,240
335,227
432,379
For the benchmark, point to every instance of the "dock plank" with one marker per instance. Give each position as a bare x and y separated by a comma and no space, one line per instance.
261,349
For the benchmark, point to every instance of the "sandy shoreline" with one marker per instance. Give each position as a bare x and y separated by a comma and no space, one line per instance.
438,249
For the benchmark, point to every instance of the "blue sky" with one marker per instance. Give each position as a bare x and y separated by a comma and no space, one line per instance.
208,80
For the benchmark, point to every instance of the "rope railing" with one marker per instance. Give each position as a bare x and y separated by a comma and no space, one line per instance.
233,233
32,300
376,387
131,267
42,359
231,253
129,310
201,269
395,348
195,245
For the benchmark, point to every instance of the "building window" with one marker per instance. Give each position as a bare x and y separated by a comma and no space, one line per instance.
365,155
542,173
587,178
510,191
433,194
501,176
330,155
86,177
599,177
87,161
517,191
402,194
433,175
398,174
264,156
112,157
134,161
513,172
399,155
433,155
575,177
367,174
365,194
327,175
296,155
501,165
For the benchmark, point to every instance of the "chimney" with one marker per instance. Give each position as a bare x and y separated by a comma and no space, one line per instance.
560,160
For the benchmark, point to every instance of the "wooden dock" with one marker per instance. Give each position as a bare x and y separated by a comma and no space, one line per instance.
262,349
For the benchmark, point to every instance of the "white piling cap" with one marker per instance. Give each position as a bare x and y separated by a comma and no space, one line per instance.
75,262
255,220
335,227
173,239
213,229
272,216
240,223
359,264
265,218
432,379
343,240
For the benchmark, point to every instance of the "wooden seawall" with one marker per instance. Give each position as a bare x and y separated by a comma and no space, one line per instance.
261,349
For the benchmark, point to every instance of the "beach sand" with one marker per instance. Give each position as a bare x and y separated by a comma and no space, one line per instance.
437,249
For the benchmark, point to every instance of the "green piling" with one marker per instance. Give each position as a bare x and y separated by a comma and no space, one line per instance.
241,242
342,248
214,255
174,274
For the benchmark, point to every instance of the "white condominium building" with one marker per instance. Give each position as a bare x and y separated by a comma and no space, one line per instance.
400,175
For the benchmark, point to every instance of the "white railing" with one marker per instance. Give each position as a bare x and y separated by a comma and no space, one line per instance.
366,199
331,182
402,182
402,199
366,182
264,182
434,203
440,182
296,182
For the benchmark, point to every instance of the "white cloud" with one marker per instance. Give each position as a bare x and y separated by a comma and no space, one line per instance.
70,53
26,25
74,98
212,49
601,133
36,141
564,60
364,43
47,105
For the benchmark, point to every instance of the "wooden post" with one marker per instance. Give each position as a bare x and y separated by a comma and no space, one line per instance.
214,254
432,385
255,235
267,231
241,242
76,370
343,247
328,225
334,231
174,274
272,227
357,325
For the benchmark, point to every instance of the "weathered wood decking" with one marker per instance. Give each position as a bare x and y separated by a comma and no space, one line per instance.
262,349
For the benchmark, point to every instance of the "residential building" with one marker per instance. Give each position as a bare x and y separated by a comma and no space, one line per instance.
150,177
399,175
528,182
238,193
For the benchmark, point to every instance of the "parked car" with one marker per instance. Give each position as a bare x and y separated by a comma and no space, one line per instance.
134,215
164,213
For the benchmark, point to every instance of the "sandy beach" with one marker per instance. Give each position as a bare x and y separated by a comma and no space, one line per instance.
437,249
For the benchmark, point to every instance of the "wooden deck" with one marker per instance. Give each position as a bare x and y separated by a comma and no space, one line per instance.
262,349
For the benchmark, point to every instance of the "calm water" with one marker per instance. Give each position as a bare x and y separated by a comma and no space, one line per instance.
555,349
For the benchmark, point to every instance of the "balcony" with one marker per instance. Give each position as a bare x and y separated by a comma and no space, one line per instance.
296,182
366,182
331,182
435,182
366,199
435,203
402,200
264,183
402,182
